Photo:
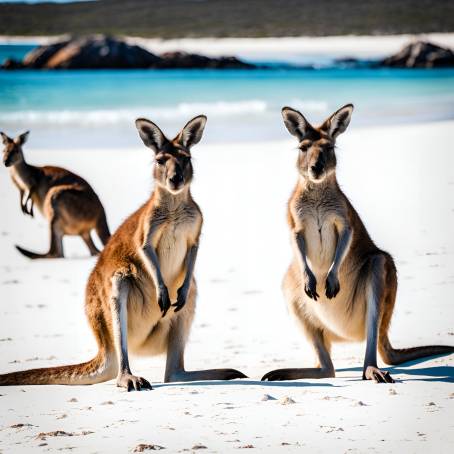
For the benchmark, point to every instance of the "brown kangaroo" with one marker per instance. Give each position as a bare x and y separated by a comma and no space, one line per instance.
340,286
66,200
145,270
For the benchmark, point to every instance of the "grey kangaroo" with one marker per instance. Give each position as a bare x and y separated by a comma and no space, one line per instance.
66,200
340,285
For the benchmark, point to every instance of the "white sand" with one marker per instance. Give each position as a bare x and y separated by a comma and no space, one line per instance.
275,48
401,180
281,48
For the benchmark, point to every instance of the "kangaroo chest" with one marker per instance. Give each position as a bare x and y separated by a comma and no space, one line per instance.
176,236
320,237
18,180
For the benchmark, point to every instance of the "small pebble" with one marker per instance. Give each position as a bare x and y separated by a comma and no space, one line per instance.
286,400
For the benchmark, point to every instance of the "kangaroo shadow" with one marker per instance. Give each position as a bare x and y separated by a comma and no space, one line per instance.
443,374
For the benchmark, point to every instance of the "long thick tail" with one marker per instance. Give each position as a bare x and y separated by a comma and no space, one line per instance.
102,229
394,356
95,371
33,255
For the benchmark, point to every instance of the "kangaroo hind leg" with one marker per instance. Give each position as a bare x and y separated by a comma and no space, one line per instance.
56,244
375,306
322,350
177,337
119,312
89,242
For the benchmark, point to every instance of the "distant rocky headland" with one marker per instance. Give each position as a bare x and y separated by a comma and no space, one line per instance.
417,54
104,52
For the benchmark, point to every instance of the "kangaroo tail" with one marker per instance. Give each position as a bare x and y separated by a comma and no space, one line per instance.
102,229
394,356
95,371
32,255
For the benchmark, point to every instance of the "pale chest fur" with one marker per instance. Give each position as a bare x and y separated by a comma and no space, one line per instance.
174,237
17,180
172,248
317,219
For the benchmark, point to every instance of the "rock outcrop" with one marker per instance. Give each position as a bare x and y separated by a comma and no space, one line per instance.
103,52
420,54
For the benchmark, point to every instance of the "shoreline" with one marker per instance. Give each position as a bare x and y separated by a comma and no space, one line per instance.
336,46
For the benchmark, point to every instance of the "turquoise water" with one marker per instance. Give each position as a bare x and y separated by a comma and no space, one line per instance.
100,106
14,51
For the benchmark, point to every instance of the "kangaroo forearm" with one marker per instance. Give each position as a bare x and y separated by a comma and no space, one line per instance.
342,247
153,262
190,263
301,245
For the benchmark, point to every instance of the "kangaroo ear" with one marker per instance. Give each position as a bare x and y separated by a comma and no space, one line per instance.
5,139
192,132
20,140
151,135
339,121
295,122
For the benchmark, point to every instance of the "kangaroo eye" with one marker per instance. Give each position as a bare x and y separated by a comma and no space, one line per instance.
304,148
160,161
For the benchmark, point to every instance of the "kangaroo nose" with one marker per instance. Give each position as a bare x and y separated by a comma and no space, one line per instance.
317,168
176,179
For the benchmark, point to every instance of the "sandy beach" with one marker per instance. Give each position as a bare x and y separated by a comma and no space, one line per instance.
281,48
400,179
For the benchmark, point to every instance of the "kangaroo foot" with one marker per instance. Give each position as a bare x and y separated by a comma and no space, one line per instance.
374,373
209,374
296,374
131,382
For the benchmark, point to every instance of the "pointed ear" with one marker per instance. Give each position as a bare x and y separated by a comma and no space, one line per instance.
192,132
20,140
151,135
5,139
295,122
339,121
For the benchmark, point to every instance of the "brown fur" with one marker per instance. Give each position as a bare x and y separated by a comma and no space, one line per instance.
347,298
66,200
127,287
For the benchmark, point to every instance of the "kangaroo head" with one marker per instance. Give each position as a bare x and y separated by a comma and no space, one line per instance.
173,170
316,158
12,151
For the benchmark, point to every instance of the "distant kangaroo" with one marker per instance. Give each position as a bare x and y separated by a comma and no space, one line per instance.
66,200
340,286
145,270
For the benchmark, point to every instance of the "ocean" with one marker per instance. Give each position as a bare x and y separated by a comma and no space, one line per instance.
70,109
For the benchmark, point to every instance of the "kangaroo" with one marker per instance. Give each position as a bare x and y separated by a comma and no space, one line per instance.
340,285
66,200
141,295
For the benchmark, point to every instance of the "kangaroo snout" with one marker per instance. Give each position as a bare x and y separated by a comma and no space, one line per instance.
176,180
317,169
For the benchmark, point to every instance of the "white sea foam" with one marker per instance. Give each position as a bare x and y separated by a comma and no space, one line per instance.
99,117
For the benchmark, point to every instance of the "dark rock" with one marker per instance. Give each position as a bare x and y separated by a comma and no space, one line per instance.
102,52
186,60
10,63
38,58
420,54
93,52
